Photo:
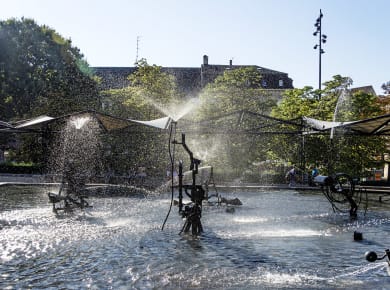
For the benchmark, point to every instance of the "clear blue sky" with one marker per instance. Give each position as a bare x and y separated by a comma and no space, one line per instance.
276,34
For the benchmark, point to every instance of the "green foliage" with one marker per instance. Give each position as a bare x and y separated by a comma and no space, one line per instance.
365,106
242,78
296,103
350,154
149,96
149,82
21,168
386,87
338,82
235,90
41,72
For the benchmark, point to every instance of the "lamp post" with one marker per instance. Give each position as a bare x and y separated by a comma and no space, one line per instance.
321,39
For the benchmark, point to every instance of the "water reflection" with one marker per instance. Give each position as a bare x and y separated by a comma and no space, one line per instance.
266,243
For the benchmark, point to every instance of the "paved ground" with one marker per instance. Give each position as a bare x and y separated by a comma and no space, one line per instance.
25,179
21,178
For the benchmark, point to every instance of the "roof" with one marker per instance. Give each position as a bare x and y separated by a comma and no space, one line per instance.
365,89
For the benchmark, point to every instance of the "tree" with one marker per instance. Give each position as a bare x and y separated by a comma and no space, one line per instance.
237,89
41,72
350,154
234,90
295,104
386,87
149,96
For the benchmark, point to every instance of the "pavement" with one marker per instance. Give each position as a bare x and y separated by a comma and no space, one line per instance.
27,179
22,178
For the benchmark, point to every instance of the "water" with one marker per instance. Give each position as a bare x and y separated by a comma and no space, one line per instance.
280,239
77,148
342,108
176,111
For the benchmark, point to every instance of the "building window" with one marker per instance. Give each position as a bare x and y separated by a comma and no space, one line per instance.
264,83
280,83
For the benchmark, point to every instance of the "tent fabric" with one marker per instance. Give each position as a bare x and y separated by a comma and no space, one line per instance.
374,126
322,125
4,125
33,123
161,123
111,123
108,122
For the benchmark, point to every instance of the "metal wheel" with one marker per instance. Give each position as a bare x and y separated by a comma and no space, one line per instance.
341,188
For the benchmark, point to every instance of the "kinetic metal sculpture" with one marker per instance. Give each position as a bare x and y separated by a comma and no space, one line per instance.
74,196
192,212
339,189
372,257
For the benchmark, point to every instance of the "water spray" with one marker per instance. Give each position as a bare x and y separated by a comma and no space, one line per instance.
75,195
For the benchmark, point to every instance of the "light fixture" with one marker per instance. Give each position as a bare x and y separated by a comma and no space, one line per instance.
322,38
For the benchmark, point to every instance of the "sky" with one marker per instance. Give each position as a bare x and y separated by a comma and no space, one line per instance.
276,34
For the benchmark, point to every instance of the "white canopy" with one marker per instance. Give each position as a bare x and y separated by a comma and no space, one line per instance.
32,122
108,122
5,125
161,123
322,125
374,126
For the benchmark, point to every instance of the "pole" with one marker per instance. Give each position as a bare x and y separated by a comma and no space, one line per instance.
180,186
320,52
321,40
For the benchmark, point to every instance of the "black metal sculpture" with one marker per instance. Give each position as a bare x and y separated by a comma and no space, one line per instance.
192,212
338,189
75,196
371,256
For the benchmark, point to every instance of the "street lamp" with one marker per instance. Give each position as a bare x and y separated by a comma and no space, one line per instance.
321,39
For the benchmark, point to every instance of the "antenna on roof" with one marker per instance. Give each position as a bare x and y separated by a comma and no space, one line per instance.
136,56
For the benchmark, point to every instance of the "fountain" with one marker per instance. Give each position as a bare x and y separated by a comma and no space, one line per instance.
118,243
297,244
339,188
343,106
75,158
372,256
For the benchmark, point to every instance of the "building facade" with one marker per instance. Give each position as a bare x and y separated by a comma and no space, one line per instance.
190,80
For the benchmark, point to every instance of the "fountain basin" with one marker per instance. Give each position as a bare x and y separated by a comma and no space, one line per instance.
276,239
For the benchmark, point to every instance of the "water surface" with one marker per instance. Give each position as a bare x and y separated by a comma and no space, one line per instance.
280,239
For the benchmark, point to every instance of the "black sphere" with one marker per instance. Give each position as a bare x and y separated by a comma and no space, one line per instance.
371,256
